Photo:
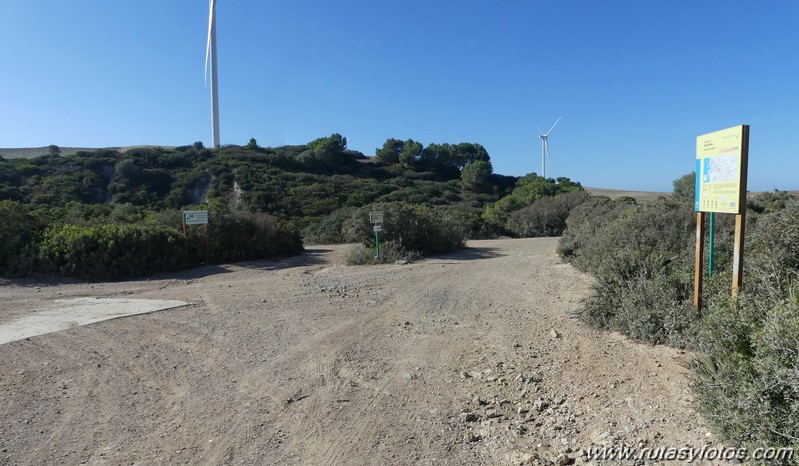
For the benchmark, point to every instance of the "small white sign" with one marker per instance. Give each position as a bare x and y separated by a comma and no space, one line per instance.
195,217
378,228
376,216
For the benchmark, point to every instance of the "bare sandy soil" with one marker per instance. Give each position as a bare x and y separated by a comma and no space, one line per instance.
468,358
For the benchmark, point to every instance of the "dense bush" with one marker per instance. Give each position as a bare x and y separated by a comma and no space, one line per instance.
685,186
415,228
580,244
469,222
111,251
746,369
390,251
643,265
18,236
238,235
100,241
327,230
545,216
747,373
528,189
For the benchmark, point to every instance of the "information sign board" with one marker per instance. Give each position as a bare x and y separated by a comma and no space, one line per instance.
720,168
195,217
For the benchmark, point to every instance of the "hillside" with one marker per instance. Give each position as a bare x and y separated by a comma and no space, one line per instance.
262,201
297,184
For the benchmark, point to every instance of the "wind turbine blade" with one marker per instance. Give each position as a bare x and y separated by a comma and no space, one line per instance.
553,126
208,43
539,130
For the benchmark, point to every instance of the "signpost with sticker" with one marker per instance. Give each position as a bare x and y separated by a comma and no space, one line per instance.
376,217
722,160
198,217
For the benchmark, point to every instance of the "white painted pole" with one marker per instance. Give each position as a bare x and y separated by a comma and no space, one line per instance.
214,81
543,152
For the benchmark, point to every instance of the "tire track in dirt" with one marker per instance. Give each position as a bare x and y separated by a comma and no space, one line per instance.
379,362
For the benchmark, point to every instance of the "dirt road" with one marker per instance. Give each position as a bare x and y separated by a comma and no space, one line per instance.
469,358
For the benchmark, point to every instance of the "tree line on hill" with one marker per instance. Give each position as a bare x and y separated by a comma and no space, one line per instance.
307,191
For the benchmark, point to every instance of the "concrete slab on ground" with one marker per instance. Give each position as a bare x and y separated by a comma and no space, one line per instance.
68,313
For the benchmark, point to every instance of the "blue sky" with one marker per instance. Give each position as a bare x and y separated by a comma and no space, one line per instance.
636,81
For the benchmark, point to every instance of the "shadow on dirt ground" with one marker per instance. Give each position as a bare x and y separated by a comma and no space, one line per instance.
308,257
470,253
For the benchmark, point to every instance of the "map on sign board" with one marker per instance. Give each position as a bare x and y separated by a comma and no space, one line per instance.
195,217
719,174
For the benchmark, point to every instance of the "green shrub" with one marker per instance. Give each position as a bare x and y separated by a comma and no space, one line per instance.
111,251
642,259
684,187
661,231
746,377
528,188
545,216
360,254
768,202
579,243
328,229
470,222
414,227
746,370
390,251
18,238
237,235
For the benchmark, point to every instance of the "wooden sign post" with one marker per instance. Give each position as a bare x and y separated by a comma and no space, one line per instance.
722,161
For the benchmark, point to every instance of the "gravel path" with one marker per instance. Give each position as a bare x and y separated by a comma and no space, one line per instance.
468,358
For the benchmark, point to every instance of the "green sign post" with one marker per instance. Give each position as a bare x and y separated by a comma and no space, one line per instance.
376,217
377,241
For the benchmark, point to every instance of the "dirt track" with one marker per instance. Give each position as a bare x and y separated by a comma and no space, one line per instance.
469,358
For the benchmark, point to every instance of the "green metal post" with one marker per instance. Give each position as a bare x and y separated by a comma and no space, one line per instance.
377,245
710,245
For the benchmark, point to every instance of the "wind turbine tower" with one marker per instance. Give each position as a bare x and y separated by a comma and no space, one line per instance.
210,58
545,147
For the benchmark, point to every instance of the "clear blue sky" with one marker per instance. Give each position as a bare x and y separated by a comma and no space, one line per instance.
636,81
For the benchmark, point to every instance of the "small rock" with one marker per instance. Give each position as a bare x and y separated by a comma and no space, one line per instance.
554,333
540,405
471,437
479,401
564,460
469,417
492,414
465,375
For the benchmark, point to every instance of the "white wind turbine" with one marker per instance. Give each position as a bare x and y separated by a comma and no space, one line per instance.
545,147
210,58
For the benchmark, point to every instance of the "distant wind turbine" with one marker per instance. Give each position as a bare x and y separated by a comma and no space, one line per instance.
210,58
545,147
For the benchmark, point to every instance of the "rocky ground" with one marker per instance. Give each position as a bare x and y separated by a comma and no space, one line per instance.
468,358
